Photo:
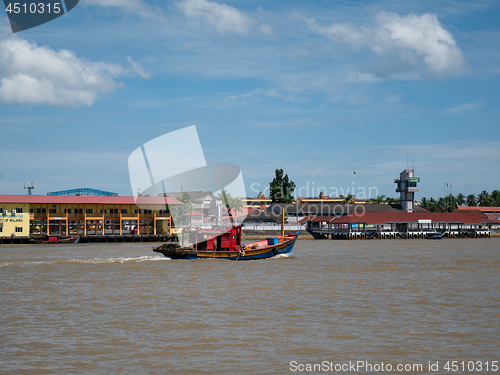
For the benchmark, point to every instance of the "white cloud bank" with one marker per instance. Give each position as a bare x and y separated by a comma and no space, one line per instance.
223,17
131,6
39,75
466,106
420,44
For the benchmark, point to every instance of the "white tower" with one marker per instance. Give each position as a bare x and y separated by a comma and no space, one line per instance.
407,187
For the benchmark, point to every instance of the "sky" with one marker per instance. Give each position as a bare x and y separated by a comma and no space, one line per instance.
321,89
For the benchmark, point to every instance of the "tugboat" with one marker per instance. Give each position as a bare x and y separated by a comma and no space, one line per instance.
227,245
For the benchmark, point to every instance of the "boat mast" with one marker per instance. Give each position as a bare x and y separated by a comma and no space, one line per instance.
283,222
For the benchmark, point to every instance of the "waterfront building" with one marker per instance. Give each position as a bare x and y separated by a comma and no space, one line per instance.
492,213
398,224
25,215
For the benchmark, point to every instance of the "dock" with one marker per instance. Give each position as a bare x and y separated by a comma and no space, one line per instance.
19,240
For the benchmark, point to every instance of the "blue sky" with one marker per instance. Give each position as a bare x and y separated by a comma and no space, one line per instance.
318,88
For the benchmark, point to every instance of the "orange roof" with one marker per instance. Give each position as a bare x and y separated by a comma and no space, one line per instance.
82,199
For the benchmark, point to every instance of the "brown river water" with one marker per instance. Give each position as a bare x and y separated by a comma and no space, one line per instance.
122,309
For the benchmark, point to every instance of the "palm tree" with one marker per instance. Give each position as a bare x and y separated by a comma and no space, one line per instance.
348,199
441,205
461,199
484,199
379,200
451,202
232,204
425,203
432,205
495,195
471,200
390,200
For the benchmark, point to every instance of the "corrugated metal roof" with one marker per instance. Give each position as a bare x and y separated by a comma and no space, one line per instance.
327,209
405,217
480,208
65,199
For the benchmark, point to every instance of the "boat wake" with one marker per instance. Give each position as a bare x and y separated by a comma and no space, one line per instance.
145,258
279,256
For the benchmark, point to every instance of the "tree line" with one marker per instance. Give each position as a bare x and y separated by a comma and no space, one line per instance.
451,202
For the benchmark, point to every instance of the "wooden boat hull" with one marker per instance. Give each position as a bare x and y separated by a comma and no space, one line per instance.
75,239
263,252
70,240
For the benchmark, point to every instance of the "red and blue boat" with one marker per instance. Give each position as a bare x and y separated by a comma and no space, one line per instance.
227,245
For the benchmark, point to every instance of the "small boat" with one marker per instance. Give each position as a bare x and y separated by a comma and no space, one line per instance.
433,235
57,239
227,245
74,239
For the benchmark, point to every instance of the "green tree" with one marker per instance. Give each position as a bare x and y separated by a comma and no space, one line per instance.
424,202
441,205
281,188
390,200
451,202
484,199
178,212
379,200
471,200
461,199
433,205
232,204
348,199
495,195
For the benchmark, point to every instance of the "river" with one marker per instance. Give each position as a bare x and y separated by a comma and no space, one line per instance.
122,309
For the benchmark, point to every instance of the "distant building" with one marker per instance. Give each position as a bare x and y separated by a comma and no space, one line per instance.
259,203
86,192
203,202
327,199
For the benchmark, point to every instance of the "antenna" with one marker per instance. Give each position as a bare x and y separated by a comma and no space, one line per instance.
31,186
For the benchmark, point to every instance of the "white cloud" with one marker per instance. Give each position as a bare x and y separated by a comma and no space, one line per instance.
138,69
39,75
223,17
137,6
266,29
466,106
420,44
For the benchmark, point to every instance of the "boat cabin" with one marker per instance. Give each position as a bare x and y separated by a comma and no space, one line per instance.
217,241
